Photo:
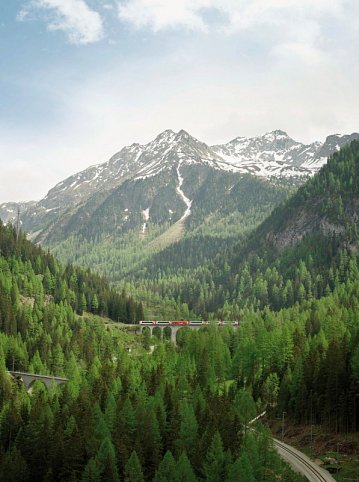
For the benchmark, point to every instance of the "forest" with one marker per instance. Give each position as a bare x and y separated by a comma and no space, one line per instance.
33,274
183,413
180,414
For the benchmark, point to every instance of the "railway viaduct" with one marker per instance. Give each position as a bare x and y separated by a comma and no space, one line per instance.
28,379
174,329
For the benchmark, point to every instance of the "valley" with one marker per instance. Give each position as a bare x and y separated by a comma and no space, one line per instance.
190,242
179,241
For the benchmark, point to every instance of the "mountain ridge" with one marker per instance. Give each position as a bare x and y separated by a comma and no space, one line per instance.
271,156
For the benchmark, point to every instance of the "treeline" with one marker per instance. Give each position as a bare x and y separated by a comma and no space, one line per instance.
27,269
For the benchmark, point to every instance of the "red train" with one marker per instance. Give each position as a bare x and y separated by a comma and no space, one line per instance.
185,323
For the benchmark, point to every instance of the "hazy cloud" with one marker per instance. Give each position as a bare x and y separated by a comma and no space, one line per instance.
163,14
239,14
288,25
81,24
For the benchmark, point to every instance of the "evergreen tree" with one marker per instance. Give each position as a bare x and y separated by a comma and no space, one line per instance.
214,467
241,470
184,471
167,470
133,469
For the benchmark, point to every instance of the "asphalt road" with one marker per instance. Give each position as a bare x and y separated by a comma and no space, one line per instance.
302,464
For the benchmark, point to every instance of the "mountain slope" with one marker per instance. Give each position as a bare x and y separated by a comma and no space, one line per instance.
306,246
272,156
9,210
115,399
40,279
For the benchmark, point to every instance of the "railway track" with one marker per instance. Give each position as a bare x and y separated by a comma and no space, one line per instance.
302,463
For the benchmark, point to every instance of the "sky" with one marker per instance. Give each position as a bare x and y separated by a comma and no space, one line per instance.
80,79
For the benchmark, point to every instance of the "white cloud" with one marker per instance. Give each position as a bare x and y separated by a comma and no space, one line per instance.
81,24
288,26
162,14
239,14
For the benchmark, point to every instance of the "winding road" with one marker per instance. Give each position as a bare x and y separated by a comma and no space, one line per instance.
302,464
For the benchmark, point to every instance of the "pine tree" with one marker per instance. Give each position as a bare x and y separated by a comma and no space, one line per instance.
106,461
214,467
184,470
91,472
133,469
110,412
188,432
241,470
13,467
94,304
167,471
82,304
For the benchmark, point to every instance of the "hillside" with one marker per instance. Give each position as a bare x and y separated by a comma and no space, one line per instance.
152,417
43,280
224,206
302,250
120,416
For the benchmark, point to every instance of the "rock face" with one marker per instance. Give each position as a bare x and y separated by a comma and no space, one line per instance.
302,224
145,178
327,206
8,211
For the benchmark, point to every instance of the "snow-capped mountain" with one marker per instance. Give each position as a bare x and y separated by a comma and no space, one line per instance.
276,154
136,161
271,156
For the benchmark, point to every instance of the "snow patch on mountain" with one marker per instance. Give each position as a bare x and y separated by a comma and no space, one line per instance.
187,201
273,154
146,217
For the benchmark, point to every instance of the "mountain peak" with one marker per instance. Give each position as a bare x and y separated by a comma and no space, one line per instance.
276,135
272,155
183,133
165,135
171,137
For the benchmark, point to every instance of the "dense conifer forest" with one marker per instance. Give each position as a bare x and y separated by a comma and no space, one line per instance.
182,413
179,414
34,275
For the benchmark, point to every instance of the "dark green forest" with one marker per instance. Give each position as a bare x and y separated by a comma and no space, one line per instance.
182,413
30,273
179,414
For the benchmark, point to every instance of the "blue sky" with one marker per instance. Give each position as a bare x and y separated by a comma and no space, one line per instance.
82,78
